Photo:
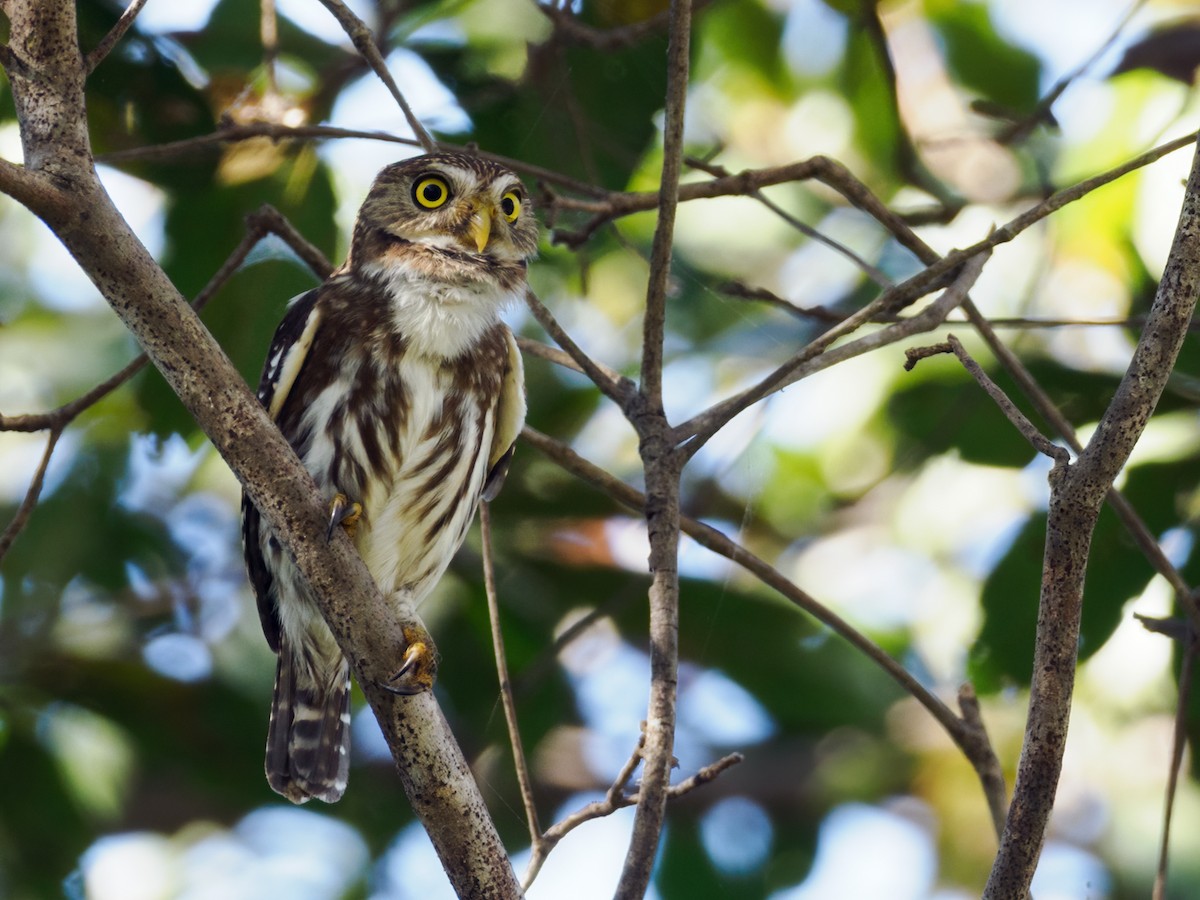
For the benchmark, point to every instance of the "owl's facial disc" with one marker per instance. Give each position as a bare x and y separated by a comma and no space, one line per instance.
464,210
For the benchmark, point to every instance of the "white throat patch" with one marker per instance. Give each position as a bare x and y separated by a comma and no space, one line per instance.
440,319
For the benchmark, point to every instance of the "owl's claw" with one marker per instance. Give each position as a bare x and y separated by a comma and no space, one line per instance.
419,668
343,512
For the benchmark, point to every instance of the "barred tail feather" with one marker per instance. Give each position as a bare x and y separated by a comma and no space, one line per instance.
308,738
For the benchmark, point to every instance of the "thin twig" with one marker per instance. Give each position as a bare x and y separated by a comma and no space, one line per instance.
616,798
101,50
1028,430
804,228
364,41
506,694
616,387
268,220
530,347
983,757
31,495
1179,741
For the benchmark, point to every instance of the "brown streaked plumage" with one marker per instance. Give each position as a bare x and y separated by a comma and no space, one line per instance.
402,392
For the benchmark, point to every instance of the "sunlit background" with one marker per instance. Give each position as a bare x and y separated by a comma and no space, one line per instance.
899,531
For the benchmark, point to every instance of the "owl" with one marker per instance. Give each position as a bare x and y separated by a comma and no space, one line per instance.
402,393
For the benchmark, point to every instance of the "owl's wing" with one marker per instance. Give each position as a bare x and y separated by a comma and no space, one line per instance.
510,418
289,349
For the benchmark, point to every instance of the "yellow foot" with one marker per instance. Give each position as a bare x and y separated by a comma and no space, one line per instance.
343,512
419,668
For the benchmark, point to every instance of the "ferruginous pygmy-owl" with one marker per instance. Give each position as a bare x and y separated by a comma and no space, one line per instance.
402,392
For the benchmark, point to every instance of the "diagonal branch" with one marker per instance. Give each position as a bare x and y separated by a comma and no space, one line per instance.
616,387
364,43
31,495
1036,439
1019,130
100,52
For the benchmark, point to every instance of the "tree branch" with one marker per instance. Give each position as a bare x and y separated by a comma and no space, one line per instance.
663,467
615,798
1077,493
31,495
1036,439
616,387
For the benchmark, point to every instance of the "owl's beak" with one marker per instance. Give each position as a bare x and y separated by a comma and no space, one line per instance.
480,227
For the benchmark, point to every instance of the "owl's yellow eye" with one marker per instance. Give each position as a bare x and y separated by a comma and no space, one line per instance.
431,192
510,205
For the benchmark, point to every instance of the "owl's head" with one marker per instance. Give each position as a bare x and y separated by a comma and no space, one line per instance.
461,206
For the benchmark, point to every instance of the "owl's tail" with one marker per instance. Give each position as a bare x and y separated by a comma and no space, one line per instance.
308,739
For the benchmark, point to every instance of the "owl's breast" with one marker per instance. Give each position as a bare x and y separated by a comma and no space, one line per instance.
420,495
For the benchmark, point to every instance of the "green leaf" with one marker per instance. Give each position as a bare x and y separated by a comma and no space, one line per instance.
980,59
1003,652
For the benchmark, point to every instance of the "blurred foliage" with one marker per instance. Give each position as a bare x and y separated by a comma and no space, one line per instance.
133,682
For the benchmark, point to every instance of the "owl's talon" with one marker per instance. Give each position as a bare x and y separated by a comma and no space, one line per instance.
343,512
419,668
